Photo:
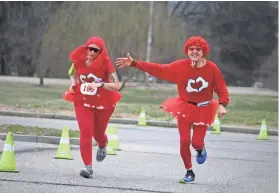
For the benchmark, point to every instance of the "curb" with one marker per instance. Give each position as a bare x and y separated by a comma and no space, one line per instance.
41,139
246,130
169,124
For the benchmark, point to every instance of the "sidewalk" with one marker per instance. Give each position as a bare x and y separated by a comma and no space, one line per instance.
165,124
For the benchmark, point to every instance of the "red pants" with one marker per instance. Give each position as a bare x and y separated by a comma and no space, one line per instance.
185,140
92,123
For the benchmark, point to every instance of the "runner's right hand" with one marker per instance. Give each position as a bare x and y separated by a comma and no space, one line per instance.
72,88
124,62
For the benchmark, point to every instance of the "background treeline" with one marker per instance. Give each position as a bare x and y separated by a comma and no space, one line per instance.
36,37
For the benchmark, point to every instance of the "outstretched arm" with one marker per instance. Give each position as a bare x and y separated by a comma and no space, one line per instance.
220,88
169,72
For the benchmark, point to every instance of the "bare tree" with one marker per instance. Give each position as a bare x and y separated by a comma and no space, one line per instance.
24,27
74,22
267,74
245,32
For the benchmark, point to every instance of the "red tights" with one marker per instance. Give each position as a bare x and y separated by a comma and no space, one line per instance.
199,132
92,123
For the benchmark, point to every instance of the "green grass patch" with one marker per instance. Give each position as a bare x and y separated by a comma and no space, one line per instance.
243,109
38,131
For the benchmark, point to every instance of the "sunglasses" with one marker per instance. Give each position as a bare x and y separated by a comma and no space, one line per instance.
192,49
96,50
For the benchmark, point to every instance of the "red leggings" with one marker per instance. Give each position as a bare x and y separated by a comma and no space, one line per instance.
92,123
199,132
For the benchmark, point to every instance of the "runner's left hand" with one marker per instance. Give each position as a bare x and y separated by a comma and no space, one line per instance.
95,85
221,111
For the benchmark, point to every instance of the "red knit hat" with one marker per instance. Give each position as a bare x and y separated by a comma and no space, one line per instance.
199,42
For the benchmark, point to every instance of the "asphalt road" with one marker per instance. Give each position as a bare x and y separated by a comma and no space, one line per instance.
149,162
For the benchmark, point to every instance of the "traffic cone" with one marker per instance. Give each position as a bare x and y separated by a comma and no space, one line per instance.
142,118
110,150
117,136
216,128
7,162
64,149
113,142
263,135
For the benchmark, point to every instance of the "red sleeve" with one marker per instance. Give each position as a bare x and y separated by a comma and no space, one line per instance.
169,72
220,87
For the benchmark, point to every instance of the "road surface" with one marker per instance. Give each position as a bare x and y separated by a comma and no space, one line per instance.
149,162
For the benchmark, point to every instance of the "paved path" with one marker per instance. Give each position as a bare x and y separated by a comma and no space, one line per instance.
149,162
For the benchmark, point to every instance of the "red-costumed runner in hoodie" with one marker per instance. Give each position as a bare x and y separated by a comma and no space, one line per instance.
94,92
197,79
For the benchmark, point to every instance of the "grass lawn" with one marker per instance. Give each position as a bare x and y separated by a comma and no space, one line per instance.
244,109
38,131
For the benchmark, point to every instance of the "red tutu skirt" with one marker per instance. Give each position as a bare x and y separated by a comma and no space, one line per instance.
197,115
103,100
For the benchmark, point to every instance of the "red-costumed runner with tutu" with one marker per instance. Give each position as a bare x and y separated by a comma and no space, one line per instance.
94,93
197,79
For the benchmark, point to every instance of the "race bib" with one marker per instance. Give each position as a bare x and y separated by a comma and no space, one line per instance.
86,89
